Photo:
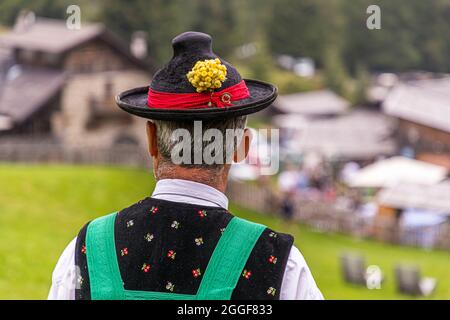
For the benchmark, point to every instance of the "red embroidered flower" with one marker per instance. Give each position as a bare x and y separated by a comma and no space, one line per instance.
83,249
196,273
153,210
145,267
246,274
171,254
202,213
124,252
273,259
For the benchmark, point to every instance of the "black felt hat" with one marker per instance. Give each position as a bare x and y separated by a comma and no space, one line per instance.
189,48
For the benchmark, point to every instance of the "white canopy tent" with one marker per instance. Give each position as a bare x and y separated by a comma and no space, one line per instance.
432,197
398,170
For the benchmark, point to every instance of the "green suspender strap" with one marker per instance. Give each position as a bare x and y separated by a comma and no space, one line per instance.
229,259
219,280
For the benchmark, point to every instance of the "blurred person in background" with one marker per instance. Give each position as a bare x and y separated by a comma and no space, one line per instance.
288,207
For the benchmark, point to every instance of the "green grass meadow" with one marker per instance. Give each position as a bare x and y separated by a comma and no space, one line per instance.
43,207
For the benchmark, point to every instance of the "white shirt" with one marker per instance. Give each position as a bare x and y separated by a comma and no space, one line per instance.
298,282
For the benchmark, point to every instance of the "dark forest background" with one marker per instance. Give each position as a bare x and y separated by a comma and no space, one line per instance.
415,34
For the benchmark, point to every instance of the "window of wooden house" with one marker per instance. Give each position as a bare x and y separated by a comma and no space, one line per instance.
51,58
108,91
26,56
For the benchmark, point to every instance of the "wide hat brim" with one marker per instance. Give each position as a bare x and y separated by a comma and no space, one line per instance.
262,95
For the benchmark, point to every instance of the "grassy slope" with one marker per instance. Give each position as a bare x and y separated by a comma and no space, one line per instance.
42,208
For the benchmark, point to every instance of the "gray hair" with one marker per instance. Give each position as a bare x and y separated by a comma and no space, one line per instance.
169,140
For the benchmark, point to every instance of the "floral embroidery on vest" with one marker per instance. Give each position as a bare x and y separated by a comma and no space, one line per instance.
149,237
145,267
246,274
202,213
80,280
196,273
153,210
170,286
199,241
273,259
171,254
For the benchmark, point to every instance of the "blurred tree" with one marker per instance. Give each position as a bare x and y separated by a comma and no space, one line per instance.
217,18
415,34
261,63
336,77
392,46
304,28
162,19
362,82
9,9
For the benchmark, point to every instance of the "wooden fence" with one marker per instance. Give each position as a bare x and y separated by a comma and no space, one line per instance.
326,217
322,216
41,152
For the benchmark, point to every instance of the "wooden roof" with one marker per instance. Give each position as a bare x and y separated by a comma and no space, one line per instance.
26,90
426,102
53,36
359,135
314,103
49,35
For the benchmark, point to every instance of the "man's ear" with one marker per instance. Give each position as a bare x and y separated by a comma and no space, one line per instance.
151,137
244,147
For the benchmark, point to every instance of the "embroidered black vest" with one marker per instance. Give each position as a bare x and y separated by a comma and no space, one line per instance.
165,246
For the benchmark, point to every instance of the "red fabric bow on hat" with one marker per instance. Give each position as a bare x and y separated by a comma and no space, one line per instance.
220,99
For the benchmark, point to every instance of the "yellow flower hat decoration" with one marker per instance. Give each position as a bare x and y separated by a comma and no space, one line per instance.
207,75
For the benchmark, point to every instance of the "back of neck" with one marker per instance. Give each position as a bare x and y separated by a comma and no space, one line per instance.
216,179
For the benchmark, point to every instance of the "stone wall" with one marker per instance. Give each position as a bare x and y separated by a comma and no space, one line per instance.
71,123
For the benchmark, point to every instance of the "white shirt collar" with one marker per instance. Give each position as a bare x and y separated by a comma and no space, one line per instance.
179,190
